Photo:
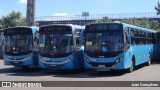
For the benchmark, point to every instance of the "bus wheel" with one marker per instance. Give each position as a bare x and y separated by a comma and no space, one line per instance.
24,67
132,68
149,60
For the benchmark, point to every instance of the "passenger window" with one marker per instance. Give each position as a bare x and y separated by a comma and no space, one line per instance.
153,38
127,31
132,33
127,40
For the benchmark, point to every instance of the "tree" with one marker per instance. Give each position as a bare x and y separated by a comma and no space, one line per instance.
158,8
132,21
104,19
13,19
154,25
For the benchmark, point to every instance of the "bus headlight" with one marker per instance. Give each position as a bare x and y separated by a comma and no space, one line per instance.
44,59
119,59
6,58
87,60
68,60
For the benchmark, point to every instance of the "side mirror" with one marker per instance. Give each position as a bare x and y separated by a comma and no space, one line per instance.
77,41
35,43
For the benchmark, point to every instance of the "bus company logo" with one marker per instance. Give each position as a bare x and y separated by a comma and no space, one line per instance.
6,84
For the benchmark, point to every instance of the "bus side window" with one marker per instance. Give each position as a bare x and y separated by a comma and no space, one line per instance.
127,39
153,38
133,41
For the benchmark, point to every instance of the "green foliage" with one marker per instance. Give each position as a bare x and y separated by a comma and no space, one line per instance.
104,19
144,22
13,19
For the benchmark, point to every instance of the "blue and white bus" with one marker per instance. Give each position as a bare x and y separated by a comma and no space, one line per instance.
60,46
19,48
114,46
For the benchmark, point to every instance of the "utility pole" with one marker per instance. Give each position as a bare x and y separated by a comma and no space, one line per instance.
30,12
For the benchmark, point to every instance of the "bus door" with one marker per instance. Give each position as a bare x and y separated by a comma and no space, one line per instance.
156,46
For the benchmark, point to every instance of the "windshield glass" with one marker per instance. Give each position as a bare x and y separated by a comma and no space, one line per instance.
56,44
18,41
104,42
18,44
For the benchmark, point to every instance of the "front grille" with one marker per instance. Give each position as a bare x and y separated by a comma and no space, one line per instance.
53,66
58,55
16,63
15,59
95,64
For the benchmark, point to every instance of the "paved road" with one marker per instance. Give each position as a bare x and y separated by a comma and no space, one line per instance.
143,73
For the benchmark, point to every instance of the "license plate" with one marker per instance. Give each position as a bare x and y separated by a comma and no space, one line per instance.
101,66
102,69
53,65
16,62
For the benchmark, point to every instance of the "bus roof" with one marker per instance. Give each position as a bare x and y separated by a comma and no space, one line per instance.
22,27
34,28
74,26
137,27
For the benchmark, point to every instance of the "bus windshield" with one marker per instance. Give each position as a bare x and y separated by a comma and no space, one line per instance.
56,44
18,41
18,44
104,43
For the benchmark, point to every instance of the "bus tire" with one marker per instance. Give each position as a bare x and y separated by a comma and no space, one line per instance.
132,68
149,60
24,67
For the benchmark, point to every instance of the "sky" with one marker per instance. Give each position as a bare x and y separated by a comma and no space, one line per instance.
76,7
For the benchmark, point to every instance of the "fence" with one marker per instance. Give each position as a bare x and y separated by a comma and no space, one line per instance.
81,20
98,16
